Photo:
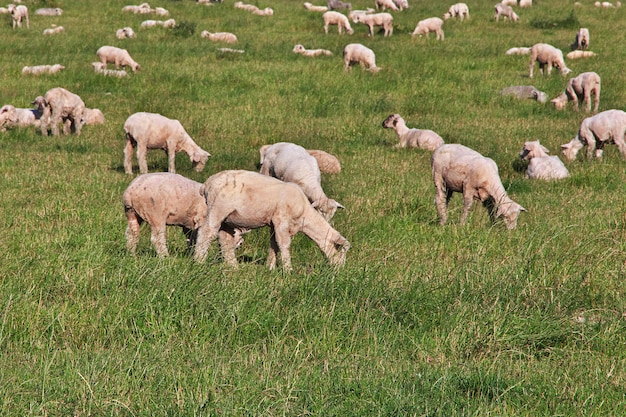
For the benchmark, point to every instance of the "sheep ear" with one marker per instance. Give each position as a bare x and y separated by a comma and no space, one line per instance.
201,191
522,209
546,150
565,146
262,151
339,205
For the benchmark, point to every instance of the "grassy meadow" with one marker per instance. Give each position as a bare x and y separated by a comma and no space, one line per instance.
423,320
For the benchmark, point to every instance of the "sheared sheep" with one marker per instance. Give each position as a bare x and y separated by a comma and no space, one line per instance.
10,116
292,163
582,39
353,13
460,10
100,68
525,3
169,23
53,31
42,69
126,32
117,56
542,166
506,12
328,163
509,2
18,14
580,88
146,131
356,53
226,37
525,92
432,24
60,105
299,49
249,200
336,18
580,54
547,55
268,11
384,20
338,5
93,117
386,4
412,138
402,4
49,11
314,8
605,127
518,51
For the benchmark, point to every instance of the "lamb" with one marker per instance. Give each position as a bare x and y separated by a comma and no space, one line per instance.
100,68
356,53
226,37
59,104
10,116
580,88
49,11
53,31
542,166
248,200
605,127
338,5
525,3
336,18
412,138
580,54
117,56
93,117
42,69
386,4
457,168
506,12
292,163
525,92
384,20
547,55
126,32
299,49
353,13
18,14
518,51
432,24
314,8
402,4
459,9
582,39
146,131
328,163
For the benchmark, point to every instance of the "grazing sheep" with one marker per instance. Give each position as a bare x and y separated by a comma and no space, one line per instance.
49,11
146,131
338,5
542,166
460,9
386,4
336,18
580,88
605,127
18,14
299,49
518,51
547,55
53,31
100,68
42,69
412,138
582,39
384,20
126,32
314,8
292,163
60,105
580,54
402,4
117,56
457,168
248,200
432,24
93,117
506,12
328,163
353,13
356,53
525,92
10,116
219,36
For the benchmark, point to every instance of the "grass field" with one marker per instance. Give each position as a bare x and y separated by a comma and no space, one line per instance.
422,320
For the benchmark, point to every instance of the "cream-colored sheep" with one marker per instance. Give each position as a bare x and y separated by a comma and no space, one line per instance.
509,2
525,92
580,54
402,4
356,53
143,8
432,24
243,6
160,11
328,163
248,200
457,168
4,10
386,4
336,18
100,68
60,105
353,13
126,32
42,69
18,14
547,56
460,10
226,37
292,163
580,89
230,50
49,11
506,12
169,23
93,117
384,20
338,5
53,30
300,49
314,8
146,131
11,116
582,39
542,166
268,11
412,138
518,51
605,127
119,57
525,3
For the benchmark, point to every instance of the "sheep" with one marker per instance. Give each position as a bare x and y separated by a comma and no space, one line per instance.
314,8
328,163
42,69
268,11
338,5
509,2
386,4
432,24
169,23
230,50
412,138
518,51
542,166
356,53
607,4
100,68
608,126
299,49
402,4
60,105
160,11
292,163
4,10
336,18
582,39
547,55
580,88
506,12
525,3
53,31
226,37
243,6
49,11
10,116
143,8
580,54
93,117
126,32
457,168
525,92
249,200
146,131
459,9
117,56
384,20
353,13
18,14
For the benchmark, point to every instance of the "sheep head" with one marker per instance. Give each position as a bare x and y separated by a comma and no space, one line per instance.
533,150
392,121
570,150
509,212
199,159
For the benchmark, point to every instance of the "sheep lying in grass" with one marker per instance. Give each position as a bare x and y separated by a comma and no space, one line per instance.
11,116
412,138
582,39
328,163
169,23
542,166
49,11
248,200
355,53
547,56
336,18
338,5
254,9
605,127
506,12
42,69
119,57
230,50
580,54
460,10
580,89
292,163
525,92
457,168
432,24
300,49
18,14
146,131
100,68
60,105
384,20
314,8
518,51
93,117
143,8
126,32
53,30
226,37
386,4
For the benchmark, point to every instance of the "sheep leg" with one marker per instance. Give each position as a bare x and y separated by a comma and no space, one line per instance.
227,246
442,197
591,146
45,121
206,235
55,119
157,237
191,236
271,256
132,230
468,200
67,126
171,159
142,153
621,145
128,155
596,98
283,241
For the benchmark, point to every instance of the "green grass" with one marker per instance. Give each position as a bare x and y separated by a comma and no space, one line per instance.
422,320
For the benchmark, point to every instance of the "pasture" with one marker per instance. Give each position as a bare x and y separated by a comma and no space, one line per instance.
422,320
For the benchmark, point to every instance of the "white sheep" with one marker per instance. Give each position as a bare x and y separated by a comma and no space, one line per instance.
506,12
525,92
268,11
160,11
100,68
146,131
384,20
582,39
457,168
547,56
49,11
580,54
328,163
432,24
525,3
18,14
125,32
4,10
60,105
230,50
11,116
460,10
292,163
356,53
542,166
412,138
244,6
117,56
249,200
226,37
42,69
93,117
314,8
522,50
402,4
353,13
607,4
336,18
300,49
53,31
386,4
338,5
605,127
151,23
509,2
580,89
